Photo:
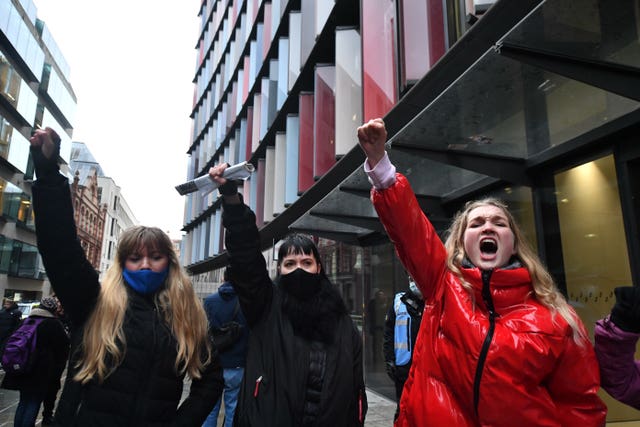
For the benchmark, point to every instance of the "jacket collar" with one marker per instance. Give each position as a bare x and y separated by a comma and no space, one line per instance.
510,287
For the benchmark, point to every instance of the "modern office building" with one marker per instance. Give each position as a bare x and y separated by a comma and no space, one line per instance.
35,91
533,101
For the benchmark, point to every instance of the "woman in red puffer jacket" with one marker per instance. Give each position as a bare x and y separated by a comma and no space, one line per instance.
498,344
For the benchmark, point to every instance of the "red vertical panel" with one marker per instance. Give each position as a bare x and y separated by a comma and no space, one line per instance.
259,211
379,69
266,33
436,31
249,132
305,153
324,148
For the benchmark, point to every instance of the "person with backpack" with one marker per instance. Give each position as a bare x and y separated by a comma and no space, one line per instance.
222,308
51,394
137,334
10,316
33,356
400,332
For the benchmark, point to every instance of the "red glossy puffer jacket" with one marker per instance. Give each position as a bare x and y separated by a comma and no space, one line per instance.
511,365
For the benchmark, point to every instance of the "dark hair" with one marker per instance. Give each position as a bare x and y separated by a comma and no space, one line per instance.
226,274
297,244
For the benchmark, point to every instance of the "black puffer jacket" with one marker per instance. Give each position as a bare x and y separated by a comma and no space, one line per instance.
145,389
288,381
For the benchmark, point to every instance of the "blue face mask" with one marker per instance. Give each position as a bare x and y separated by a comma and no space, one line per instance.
145,281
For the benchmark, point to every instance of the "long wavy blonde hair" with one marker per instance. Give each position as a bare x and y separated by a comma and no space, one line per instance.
544,287
104,345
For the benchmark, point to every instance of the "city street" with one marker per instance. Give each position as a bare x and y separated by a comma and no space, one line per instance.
380,412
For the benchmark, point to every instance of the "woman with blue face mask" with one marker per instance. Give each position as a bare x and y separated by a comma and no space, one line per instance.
136,335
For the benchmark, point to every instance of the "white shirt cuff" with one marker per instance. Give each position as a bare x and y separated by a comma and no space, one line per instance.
382,175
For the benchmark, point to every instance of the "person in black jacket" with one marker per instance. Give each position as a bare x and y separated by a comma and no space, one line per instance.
51,352
304,360
10,316
134,337
51,394
400,332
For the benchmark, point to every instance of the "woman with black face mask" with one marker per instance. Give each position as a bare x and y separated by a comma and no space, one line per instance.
304,361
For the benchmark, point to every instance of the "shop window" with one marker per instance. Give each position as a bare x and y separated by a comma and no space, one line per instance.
593,238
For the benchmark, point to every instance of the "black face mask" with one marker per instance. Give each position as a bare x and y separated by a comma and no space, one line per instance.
300,283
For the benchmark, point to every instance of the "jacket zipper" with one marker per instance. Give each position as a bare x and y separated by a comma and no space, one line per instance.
486,296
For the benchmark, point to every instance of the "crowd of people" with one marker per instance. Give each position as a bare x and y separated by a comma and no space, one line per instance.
481,336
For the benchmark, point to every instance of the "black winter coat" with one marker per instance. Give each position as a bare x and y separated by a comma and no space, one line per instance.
281,365
9,321
52,350
145,389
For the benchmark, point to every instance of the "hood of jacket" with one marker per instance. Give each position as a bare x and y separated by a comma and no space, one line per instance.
226,291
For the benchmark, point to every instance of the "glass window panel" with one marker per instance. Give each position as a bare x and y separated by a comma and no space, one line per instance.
324,122
292,162
593,239
600,30
253,190
380,80
421,49
295,29
280,166
266,35
322,11
264,108
307,38
269,182
259,210
305,162
348,96
245,78
255,137
283,72
483,113
5,254
249,141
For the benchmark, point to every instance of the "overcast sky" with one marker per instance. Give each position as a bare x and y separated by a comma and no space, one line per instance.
132,64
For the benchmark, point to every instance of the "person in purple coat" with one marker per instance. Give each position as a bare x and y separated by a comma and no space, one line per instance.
615,344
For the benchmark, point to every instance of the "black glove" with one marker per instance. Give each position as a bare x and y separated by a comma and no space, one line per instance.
42,165
625,313
391,370
229,188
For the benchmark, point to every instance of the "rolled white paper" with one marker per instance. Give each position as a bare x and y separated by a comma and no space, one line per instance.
205,184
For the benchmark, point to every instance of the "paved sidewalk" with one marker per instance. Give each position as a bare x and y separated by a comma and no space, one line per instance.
381,410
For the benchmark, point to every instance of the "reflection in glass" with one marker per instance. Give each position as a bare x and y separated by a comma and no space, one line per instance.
593,239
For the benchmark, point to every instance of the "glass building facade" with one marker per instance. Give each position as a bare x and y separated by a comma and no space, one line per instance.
535,102
34,91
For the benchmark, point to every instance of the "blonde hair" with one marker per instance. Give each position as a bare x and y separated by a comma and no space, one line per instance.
544,287
104,338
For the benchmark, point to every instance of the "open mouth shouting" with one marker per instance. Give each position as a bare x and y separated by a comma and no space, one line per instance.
488,239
